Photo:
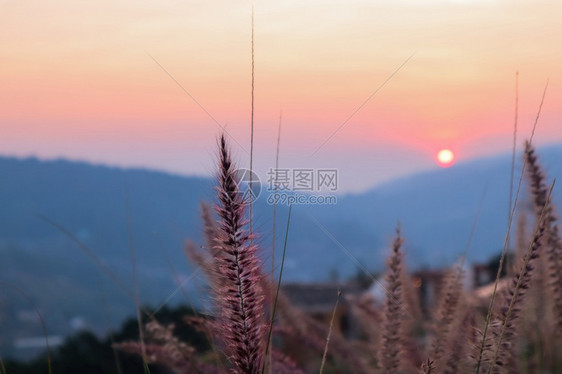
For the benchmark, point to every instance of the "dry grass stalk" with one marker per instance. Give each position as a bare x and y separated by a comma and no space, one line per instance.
428,367
239,295
413,323
446,312
521,237
553,243
455,358
323,363
391,347
505,327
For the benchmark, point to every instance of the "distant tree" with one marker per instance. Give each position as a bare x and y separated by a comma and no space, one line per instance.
494,263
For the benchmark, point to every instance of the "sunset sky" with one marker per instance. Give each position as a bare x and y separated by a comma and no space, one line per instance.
81,80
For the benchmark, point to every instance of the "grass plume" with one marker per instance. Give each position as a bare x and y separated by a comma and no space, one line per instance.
239,295
446,312
390,349
553,243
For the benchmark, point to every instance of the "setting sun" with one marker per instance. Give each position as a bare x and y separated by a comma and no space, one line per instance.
445,158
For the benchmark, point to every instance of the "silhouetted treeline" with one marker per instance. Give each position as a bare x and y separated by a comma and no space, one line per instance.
85,353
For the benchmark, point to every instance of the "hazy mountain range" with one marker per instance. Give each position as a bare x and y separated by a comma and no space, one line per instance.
112,211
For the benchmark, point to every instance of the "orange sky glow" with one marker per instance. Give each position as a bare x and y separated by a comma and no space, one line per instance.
77,80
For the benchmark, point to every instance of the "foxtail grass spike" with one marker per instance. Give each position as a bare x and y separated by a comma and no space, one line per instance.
239,294
391,347
553,243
